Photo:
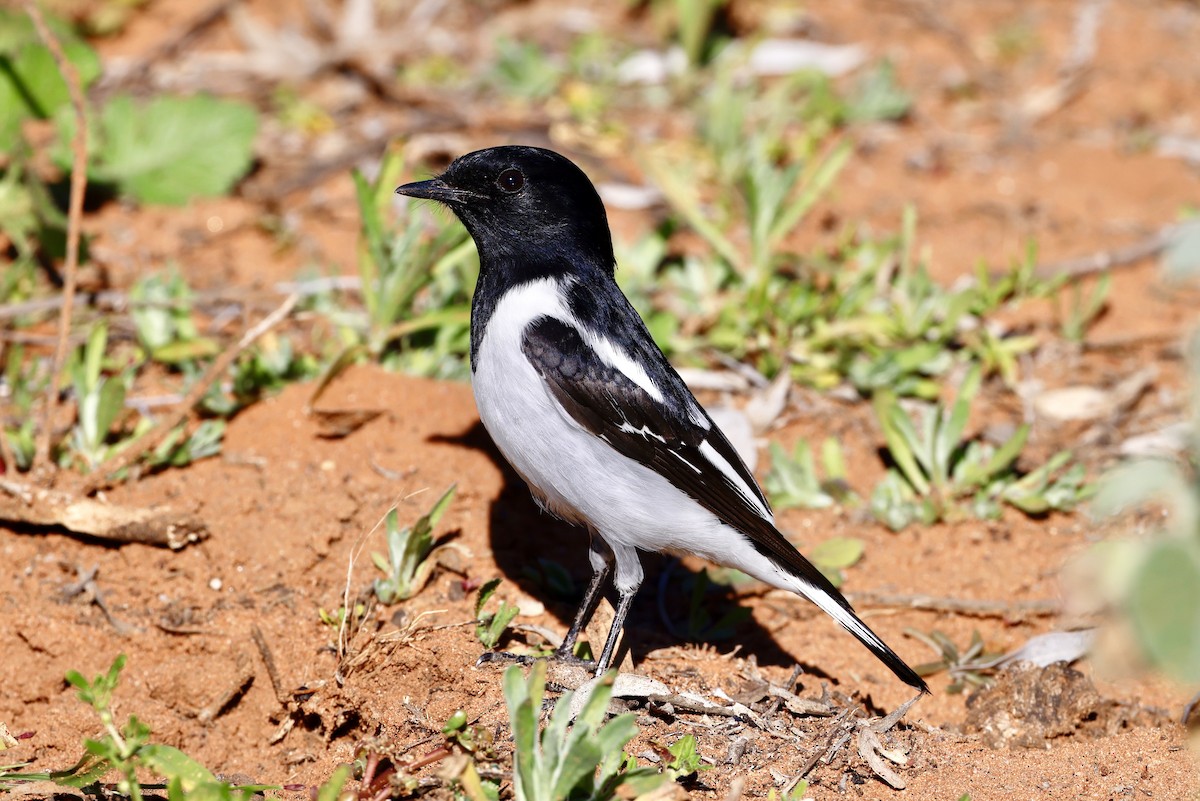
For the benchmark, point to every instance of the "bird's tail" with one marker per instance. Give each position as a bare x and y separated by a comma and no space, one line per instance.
807,580
834,604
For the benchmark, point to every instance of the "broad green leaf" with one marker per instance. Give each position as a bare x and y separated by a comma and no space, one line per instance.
837,552
173,149
171,764
1164,605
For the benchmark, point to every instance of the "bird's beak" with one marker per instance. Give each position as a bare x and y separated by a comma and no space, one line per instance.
435,189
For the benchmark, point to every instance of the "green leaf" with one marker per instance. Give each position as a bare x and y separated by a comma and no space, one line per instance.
174,149
30,82
1164,606
837,552
331,790
173,764
902,440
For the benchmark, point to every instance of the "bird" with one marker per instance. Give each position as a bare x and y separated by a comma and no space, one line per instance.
585,407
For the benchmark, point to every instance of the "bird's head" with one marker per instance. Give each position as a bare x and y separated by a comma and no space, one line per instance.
523,205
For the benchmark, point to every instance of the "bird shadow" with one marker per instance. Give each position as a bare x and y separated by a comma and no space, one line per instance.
548,560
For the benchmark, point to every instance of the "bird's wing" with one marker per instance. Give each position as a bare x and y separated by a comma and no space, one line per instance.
670,436
667,431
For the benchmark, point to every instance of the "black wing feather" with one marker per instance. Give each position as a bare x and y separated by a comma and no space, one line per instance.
661,436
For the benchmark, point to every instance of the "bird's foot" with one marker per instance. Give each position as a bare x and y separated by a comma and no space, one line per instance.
558,656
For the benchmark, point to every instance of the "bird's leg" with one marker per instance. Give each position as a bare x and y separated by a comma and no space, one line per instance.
601,557
614,633
629,578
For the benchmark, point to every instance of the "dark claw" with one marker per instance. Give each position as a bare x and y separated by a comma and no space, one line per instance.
493,657
564,657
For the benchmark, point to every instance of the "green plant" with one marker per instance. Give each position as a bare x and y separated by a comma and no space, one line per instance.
967,667
127,751
30,84
100,401
490,626
692,22
1083,310
792,480
167,150
939,475
162,318
272,363
24,381
1154,580
417,280
525,70
585,760
409,562
685,760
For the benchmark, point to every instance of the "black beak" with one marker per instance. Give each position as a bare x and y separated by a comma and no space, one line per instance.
436,189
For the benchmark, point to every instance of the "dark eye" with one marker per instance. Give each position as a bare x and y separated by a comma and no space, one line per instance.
511,180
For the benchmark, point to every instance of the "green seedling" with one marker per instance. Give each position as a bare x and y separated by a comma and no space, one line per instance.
24,382
31,86
792,480
941,475
411,553
525,70
177,451
127,750
1084,309
685,761
967,667
162,317
490,626
270,365
417,280
100,401
337,618
580,759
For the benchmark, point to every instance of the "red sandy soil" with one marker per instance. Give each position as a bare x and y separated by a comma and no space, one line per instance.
294,516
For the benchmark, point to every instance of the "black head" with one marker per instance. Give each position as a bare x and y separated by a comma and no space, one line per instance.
524,205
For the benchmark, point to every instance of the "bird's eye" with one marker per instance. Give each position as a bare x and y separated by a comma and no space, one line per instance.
511,180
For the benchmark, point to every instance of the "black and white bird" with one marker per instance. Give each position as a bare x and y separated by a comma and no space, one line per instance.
586,408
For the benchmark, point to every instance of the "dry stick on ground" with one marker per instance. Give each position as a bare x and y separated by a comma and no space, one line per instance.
102,477
74,222
962,606
1105,260
45,508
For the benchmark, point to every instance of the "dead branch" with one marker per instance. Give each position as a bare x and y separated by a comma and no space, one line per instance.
962,606
45,508
103,475
268,659
41,454
1105,260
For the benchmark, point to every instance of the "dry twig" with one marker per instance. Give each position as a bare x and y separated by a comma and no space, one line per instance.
102,477
74,224
30,506
962,606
